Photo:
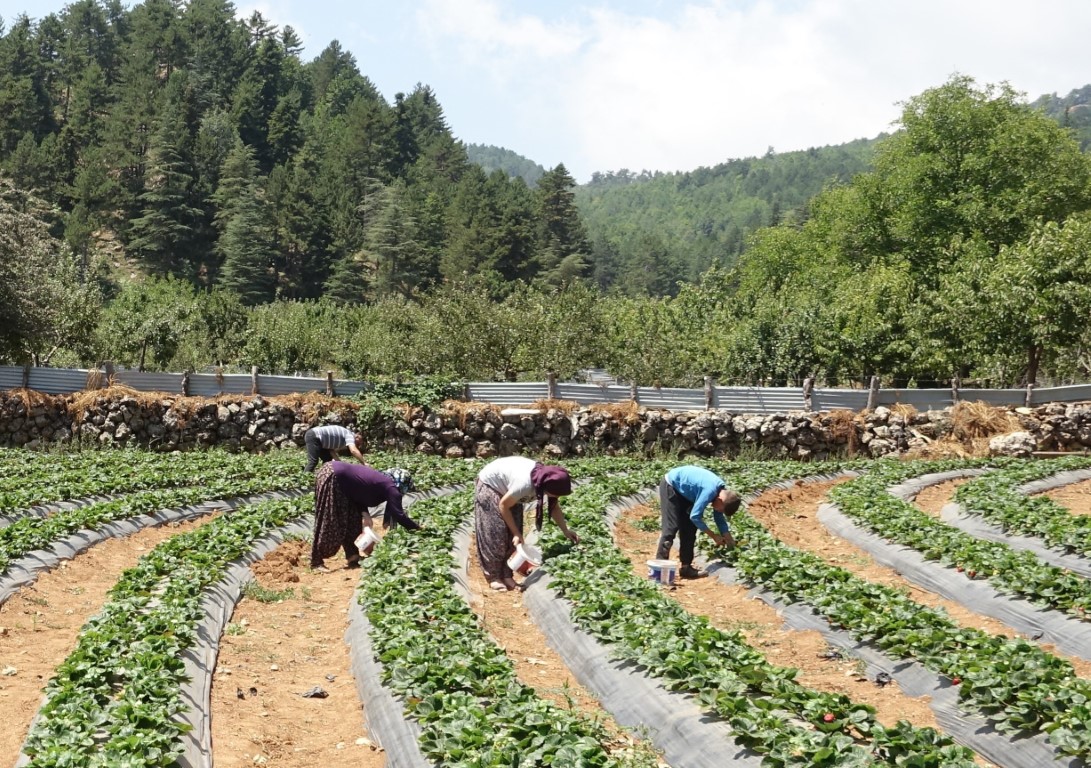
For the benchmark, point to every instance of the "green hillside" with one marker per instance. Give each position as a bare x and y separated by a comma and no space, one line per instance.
650,231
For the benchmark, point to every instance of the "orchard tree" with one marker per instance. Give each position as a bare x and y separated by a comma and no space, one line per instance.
471,333
561,328
1026,309
144,325
640,341
973,163
290,337
47,304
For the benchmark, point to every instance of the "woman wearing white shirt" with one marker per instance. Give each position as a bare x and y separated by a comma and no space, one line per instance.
502,487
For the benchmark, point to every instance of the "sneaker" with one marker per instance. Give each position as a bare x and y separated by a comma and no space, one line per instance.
689,572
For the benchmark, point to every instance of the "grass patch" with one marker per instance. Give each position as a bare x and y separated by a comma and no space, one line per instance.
261,594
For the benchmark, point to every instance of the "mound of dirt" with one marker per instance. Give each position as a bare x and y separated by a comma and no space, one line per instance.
281,565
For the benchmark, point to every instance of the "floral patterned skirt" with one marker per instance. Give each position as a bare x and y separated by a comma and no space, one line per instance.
493,537
337,521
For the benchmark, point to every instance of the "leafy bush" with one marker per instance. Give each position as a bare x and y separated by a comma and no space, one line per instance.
383,400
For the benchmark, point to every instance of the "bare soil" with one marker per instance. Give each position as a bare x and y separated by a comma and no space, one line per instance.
278,646
933,498
505,617
791,516
40,624
730,609
1076,498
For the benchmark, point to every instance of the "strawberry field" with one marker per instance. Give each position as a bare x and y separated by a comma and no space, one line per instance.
855,628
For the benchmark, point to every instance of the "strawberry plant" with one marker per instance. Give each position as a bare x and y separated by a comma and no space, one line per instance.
456,683
1013,683
997,499
115,700
768,710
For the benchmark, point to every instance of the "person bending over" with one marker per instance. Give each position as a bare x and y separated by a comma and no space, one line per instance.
684,494
343,497
326,443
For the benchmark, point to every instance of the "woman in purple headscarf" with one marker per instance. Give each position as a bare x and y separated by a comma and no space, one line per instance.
503,486
343,496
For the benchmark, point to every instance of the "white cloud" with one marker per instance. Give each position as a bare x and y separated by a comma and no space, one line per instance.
704,82
501,44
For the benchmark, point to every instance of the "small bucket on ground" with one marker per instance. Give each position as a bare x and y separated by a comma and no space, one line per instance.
525,559
366,542
662,571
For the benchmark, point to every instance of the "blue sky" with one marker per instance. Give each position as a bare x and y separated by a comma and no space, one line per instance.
656,85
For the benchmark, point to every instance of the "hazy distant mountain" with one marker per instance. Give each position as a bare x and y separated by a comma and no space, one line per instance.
651,229
499,159
1073,110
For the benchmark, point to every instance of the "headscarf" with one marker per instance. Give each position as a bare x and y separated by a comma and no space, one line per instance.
550,479
402,479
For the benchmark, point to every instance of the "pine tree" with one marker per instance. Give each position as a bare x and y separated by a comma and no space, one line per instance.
25,106
245,245
162,235
563,247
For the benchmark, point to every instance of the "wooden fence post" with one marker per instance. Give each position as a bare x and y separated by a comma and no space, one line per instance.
108,367
1030,394
954,391
808,389
254,380
26,376
709,393
551,385
634,392
873,394
185,384
329,383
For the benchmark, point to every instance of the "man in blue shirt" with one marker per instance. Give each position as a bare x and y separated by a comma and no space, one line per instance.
683,495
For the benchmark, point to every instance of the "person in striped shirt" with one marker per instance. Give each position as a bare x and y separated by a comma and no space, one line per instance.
326,443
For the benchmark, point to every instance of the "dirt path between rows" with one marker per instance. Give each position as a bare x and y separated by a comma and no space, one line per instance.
791,516
285,638
730,609
505,617
40,624
933,498
1076,498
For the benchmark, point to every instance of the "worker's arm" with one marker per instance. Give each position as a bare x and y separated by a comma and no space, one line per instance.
558,517
507,501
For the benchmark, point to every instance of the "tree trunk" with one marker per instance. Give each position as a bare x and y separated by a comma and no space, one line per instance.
1034,357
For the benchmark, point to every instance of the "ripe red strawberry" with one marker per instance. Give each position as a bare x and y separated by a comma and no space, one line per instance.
956,680
828,717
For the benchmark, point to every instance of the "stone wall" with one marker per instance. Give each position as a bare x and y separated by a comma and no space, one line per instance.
257,424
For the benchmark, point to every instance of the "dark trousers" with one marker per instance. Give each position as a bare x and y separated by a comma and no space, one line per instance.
674,510
315,451
354,526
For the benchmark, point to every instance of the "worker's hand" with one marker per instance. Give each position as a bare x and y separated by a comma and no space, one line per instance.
716,537
571,535
728,540
516,541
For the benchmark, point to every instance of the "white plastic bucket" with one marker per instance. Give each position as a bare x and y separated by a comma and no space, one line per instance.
662,571
526,558
366,542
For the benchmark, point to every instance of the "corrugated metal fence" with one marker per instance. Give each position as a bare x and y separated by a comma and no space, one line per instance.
60,381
